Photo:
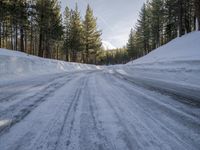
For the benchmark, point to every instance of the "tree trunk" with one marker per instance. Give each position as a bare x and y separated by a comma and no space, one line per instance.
3,34
73,56
87,53
11,38
0,34
40,50
16,37
57,47
6,34
31,40
26,43
180,17
47,51
21,39
95,59
35,42
197,14
67,54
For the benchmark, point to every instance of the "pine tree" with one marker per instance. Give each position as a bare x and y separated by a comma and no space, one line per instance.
2,10
169,20
131,45
157,12
67,30
35,27
92,38
143,24
49,24
32,26
23,18
164,19
197,14
55,29
76,33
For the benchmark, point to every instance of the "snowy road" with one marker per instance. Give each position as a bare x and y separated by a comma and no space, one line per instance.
94,110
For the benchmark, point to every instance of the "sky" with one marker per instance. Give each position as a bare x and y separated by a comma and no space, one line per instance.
114,17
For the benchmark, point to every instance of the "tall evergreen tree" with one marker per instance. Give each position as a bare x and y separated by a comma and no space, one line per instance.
92,35
157,11
170,17
23,18
35,27
197,14
164,19
2,10
76,33
49,24
67,30
131,45
55,28
144,23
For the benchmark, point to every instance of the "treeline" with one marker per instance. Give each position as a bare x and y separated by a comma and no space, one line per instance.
115,56
34,27
37,27
81,38
159,22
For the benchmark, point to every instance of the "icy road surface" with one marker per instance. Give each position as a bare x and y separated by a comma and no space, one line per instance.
95,110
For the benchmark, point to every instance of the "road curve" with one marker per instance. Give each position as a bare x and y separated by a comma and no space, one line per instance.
94,110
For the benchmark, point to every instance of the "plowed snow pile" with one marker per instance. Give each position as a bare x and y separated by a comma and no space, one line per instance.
14,64
176,63
186,48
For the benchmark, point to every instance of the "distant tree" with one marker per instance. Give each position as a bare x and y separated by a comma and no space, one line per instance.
49,24
197,14
162,20
67,30
131,45
144,23
157,12
92,40
22,21
76,33
2,10
115,56
170,18
36,27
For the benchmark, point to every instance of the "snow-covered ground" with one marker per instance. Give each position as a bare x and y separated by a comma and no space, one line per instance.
173,66
151,103
15,65
180,49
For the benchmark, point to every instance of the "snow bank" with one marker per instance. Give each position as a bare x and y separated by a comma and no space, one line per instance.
179,49
14,64
176,63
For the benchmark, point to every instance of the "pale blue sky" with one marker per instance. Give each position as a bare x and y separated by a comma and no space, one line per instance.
115,17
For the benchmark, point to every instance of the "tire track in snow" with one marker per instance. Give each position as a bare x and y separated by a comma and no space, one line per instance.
71,111
51,136
144,107
185,112
48,135
131,130
7,94
190,99
92,135
19,111
125,134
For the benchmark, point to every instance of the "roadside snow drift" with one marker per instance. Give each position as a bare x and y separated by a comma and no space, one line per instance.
14,64
186,48
174,66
